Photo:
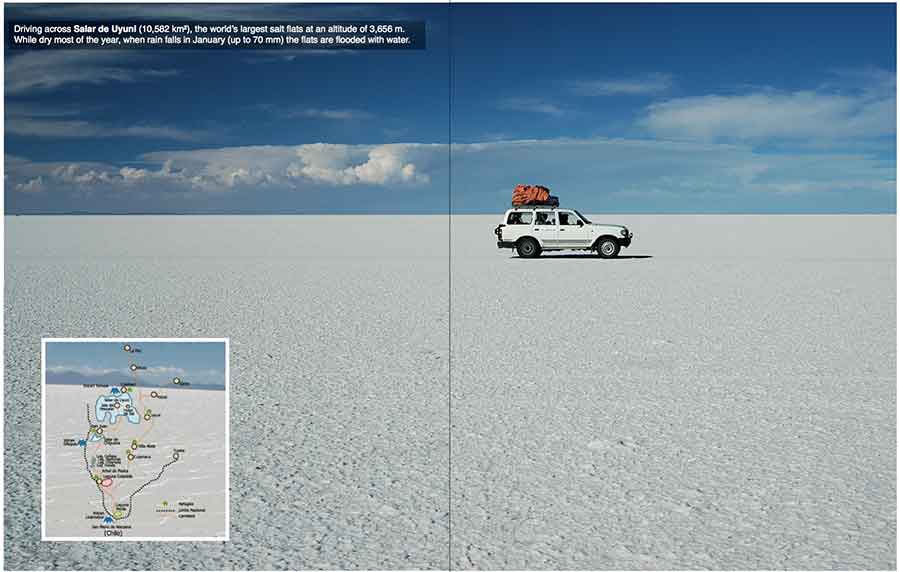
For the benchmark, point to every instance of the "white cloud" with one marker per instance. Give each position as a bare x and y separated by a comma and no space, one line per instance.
636,85
337,114
74,174
275,57
83,370
531,105
161,370
78,129
647,167
294,167
293,112
47,70
30,176
159,374
867,112
609,169
344,165
32,120
156,132
35,185
21,109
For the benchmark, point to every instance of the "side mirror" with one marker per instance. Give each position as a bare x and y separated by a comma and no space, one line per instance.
580,222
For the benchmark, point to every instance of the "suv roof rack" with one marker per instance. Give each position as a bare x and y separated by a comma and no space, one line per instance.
517,207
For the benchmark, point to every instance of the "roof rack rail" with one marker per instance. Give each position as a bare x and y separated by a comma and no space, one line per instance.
514,207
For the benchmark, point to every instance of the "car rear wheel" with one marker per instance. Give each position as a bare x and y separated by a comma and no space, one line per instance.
528,248
608,247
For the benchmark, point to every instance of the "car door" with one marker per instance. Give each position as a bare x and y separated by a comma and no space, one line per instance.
518,224
571,234
545,229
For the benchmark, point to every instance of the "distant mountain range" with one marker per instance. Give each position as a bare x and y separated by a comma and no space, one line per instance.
112,379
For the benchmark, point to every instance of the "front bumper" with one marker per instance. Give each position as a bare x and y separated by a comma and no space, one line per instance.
625,240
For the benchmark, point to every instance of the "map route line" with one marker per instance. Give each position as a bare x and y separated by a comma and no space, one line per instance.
136,491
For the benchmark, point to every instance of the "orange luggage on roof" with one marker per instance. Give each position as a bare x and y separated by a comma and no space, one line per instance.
532,195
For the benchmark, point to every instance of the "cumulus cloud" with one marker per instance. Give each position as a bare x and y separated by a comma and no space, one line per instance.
690,173
346,165
635,85
868,111
35,185
74,174
227,169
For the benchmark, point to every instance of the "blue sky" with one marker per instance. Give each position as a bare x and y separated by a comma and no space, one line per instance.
198,363
617,108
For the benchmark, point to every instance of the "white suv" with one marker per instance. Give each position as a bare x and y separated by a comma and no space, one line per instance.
533,229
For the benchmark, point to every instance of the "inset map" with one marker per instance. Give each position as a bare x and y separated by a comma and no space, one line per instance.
135,439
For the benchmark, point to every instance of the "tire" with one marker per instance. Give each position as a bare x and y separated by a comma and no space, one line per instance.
608,247
528,248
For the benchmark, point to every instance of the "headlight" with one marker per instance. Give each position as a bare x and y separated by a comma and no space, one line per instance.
624,232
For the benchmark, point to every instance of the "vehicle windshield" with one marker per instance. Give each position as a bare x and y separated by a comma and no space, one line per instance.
584,218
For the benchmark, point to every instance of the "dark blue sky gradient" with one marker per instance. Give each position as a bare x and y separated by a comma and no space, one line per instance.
616,107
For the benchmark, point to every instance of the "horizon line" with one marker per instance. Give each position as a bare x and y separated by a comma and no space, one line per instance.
438,213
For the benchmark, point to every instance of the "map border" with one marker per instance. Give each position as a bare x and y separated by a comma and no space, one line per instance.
227,537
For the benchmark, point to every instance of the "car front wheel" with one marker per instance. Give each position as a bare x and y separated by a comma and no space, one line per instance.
608,247
528,248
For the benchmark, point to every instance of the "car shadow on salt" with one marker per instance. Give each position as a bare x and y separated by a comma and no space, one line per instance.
583,257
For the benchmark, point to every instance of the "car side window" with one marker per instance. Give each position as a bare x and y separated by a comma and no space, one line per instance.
519,218
546,218
568,219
